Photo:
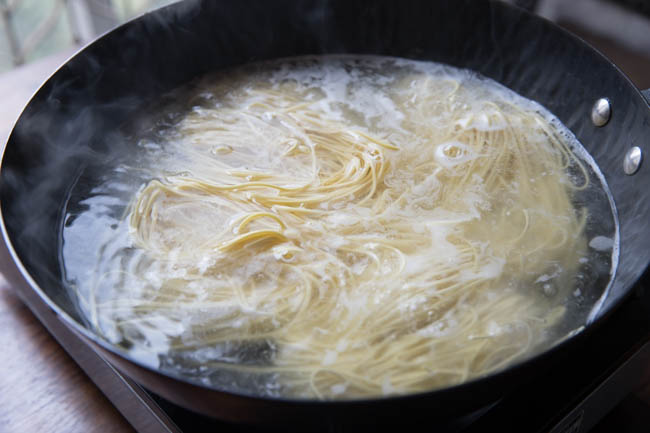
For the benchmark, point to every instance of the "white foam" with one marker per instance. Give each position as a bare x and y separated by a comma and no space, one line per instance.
601,243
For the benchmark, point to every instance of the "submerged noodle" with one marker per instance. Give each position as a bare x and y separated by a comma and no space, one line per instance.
366,261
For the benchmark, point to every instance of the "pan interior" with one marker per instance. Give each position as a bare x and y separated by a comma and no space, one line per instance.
95,229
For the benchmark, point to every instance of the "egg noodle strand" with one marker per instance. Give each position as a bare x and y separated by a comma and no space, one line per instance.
365,263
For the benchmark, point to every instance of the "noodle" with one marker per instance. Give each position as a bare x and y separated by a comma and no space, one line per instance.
367,260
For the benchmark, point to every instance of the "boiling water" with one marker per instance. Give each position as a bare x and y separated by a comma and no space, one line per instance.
115,278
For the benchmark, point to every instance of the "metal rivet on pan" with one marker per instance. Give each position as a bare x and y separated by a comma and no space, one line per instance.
632,160
601,112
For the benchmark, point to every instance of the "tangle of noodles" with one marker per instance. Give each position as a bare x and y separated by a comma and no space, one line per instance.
361,259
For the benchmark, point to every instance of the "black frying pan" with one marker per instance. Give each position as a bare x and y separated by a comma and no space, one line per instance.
71,120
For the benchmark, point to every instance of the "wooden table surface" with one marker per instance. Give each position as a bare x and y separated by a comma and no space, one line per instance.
41,388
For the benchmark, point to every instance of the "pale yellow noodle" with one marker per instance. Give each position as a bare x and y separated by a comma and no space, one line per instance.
346,305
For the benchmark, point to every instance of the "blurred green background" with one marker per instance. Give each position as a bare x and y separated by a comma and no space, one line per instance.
42,27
